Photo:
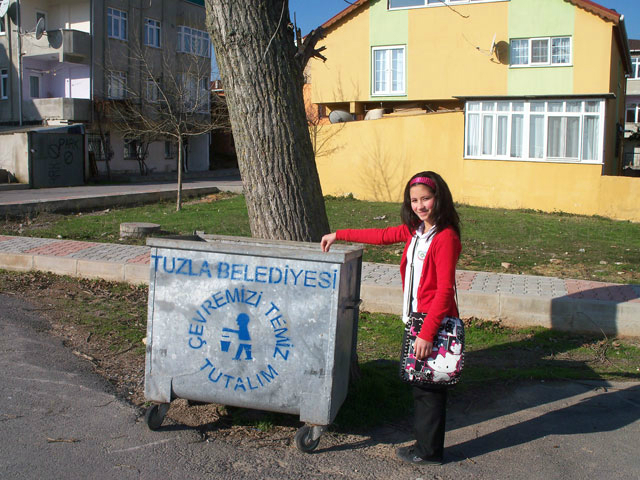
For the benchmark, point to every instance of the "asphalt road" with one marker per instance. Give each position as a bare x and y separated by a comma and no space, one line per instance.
60,420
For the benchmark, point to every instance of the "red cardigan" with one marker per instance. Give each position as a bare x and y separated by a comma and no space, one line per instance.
436,295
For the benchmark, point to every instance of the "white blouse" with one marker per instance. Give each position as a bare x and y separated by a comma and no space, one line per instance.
416,254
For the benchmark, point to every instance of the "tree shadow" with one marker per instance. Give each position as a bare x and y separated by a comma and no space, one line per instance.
498,381
604,412
605,308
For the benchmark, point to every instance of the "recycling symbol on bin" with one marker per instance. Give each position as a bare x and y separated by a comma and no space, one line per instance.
244,338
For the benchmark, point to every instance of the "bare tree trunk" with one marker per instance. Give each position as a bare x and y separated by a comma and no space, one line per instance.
263,80
180,162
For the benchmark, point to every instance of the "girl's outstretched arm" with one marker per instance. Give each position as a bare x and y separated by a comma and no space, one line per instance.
327,241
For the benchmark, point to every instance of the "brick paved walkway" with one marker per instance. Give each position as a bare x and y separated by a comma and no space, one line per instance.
374,274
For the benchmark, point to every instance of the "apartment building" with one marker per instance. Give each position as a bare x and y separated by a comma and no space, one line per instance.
632,119
65,64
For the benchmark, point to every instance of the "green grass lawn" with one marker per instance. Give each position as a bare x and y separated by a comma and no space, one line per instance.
561,245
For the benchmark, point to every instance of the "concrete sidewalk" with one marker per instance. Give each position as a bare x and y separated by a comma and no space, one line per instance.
26,201
521,300
61,420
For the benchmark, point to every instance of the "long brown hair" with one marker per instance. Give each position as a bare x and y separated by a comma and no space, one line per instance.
444,211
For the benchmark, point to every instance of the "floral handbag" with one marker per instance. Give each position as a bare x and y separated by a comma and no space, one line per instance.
444,365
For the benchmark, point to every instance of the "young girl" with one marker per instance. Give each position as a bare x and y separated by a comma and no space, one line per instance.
431,231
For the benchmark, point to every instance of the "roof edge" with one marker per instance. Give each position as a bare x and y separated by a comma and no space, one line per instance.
340,15
597,9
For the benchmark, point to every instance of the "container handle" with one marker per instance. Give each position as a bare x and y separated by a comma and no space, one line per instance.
352,305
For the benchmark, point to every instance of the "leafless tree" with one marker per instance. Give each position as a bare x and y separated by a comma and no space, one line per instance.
168,98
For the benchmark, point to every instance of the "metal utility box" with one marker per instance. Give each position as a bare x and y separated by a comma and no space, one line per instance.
260,324
56,159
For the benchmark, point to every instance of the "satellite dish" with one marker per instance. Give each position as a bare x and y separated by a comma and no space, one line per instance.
340,116
40,28
12,11
374,114
4,6
493,45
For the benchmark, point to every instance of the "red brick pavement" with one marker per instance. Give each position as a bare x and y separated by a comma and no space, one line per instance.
601,291
61,248
142,259
464,280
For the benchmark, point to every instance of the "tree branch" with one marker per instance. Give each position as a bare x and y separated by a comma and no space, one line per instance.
307,48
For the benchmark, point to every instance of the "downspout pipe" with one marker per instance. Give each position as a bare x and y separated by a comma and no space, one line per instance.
91,70
19,62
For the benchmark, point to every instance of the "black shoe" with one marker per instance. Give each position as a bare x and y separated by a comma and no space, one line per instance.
409,455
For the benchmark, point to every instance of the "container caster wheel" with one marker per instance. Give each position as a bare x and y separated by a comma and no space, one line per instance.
154,416
305,440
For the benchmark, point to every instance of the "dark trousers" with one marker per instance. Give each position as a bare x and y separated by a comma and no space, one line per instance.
430,405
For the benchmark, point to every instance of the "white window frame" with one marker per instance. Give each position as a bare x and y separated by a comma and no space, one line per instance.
96,146
485,147
549,61
441,3
132,149
193,41
635,67
204,93
635,108
152,90
388,91
152,30
120,18
117,85
4,83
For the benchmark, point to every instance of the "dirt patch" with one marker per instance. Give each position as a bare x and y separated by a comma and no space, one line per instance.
214,197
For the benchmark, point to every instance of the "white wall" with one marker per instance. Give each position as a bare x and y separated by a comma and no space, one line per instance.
77,82
72,14
14,156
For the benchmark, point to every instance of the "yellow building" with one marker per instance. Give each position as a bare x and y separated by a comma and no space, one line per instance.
517,103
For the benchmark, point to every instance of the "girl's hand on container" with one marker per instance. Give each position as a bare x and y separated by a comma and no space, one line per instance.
327,241
422,348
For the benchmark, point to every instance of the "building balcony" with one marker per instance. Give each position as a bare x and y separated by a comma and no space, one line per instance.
70,109
71,46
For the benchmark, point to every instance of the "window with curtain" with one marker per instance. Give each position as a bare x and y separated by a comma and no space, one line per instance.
117,85
388,70
116,24
151,32
153,90
633,113
191,40
536,130
544,51
635,67
519,52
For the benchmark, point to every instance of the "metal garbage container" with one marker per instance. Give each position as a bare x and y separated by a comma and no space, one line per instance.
261,324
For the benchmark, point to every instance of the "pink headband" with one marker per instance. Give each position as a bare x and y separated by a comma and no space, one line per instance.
426,180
